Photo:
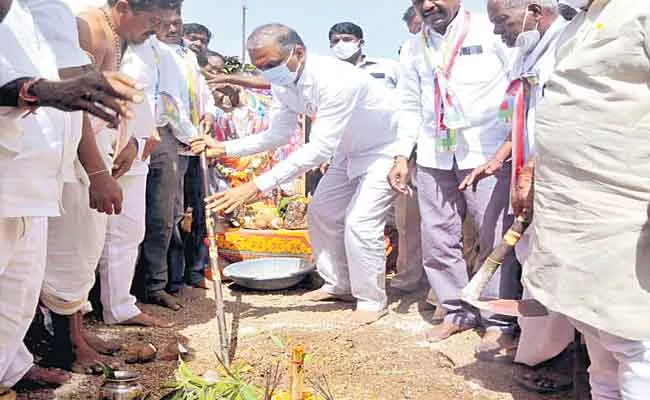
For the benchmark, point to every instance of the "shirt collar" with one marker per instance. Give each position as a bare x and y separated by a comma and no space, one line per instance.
551,34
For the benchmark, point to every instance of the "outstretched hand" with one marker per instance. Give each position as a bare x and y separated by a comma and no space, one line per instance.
490,168
231,199
106,95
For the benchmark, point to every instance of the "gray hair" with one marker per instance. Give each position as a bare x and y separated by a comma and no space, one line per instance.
547,4
279,34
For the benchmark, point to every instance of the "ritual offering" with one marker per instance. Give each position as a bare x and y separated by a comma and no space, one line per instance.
121,385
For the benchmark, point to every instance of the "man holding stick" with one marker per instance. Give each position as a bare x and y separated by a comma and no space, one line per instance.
353,123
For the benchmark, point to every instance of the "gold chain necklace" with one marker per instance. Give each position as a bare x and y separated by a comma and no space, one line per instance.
116,39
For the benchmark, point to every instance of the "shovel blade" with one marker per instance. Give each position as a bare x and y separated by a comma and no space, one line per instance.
515,308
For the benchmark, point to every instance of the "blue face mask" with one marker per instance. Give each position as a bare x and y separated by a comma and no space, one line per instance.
280,75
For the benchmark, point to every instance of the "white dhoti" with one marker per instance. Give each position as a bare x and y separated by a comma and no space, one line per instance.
75,244
410,270
541,338
23,243
346,227
124,234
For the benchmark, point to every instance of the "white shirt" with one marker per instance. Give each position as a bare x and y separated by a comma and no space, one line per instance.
142,63
31,167
58,25
190,72
540,64
479,79
383,69
353,120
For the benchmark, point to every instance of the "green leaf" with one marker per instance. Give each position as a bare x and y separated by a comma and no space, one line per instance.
247,393
107,371
278,342
308,358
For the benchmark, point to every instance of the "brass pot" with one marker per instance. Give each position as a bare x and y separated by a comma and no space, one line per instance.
122,386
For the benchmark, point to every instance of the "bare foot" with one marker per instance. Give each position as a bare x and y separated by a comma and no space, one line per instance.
105,347
164,299
88,361
7,394
444,331
322,295
147,320
46,376
362,317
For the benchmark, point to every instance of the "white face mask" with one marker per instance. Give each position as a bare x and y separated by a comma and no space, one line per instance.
577,4
345,50
280,75
526,41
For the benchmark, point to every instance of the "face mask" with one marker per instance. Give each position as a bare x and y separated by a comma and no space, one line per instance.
577,4
280,75
526,41
345,50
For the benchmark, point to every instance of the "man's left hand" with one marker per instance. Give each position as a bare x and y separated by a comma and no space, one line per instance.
231,199
124,160
523,191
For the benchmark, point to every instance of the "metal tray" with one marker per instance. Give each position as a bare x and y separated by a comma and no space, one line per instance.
276,273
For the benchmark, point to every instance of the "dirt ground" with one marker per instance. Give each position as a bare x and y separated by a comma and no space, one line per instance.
388,360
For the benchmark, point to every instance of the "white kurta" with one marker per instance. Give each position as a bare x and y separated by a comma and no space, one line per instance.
591,253
31,174
479,81
353,123
76,238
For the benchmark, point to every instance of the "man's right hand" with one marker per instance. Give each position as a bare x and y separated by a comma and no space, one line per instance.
398,178
105,194
212,147
488,169
97,93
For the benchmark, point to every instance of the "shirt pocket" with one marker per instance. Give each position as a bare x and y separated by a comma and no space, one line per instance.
477,68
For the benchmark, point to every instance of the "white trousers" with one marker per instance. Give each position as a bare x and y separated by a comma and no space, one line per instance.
23,243
545,337
124,234
346,228
74,246
620,368
410,270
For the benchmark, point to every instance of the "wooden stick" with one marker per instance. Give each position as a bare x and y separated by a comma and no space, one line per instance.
210,226
478,283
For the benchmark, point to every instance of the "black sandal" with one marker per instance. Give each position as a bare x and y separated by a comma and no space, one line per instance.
544,382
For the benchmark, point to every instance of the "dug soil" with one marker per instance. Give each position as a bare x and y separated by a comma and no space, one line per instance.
389,360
